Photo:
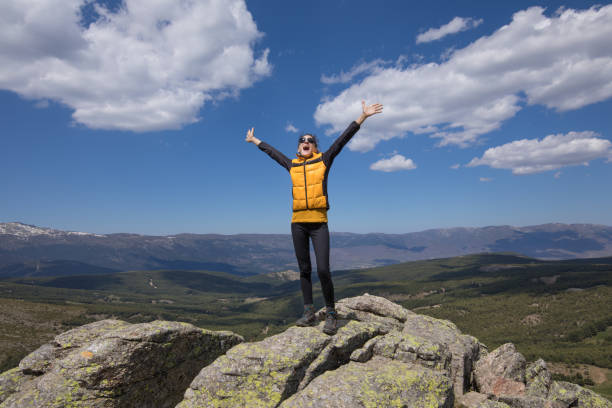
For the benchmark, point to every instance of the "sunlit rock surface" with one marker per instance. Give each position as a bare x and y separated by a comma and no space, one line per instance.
114,364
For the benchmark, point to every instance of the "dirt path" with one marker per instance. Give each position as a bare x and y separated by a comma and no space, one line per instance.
598,375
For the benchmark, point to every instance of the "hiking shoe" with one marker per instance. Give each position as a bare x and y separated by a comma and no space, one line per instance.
308,319
331,322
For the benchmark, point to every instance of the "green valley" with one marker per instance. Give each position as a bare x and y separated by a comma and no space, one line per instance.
558,310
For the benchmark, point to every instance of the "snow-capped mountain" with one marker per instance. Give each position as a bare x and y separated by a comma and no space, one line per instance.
25,231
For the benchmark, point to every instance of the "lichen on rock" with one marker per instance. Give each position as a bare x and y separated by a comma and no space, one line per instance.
538,379
465,350
147,364
40,360
11,382
410,348
260,374
576,396
338,351
377,383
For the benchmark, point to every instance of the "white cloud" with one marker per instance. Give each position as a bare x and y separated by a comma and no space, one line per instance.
528,156
456,25
455,166
558,174
291,128
562,62
395,163
485,179
146,66
344,77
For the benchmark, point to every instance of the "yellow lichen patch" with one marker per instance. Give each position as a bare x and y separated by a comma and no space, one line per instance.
13,375
377,383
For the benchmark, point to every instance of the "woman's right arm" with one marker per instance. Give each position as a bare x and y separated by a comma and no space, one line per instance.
272,152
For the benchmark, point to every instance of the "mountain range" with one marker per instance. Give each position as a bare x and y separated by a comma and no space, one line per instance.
28,250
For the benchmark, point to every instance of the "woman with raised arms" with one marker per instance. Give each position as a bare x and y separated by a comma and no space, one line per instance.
309,172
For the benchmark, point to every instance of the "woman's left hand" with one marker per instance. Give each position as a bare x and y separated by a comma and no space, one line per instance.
368,111
372,109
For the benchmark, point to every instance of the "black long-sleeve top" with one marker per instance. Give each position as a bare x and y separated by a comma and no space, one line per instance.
328,156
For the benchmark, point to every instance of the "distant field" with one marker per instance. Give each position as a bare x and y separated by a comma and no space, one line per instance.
560,311
24,326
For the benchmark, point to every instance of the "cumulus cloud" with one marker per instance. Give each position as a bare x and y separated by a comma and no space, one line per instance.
145,66
563,62
456,25
485,179
529,156
394,163
291,128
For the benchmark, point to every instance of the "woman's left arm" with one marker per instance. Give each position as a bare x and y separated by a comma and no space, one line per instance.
350,131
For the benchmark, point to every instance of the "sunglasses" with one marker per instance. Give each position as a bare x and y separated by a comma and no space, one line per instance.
306,140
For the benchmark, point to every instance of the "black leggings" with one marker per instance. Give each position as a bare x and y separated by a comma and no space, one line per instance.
319,233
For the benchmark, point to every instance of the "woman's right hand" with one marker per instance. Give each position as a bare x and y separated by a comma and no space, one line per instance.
250,137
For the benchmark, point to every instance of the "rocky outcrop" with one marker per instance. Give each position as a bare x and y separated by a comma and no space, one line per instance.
576,396
504,376
538,379
502,372
114,364
464,349
382,356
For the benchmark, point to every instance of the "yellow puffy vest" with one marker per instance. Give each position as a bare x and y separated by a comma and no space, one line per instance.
309,178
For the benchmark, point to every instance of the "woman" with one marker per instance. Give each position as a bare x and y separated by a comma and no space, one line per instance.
310,204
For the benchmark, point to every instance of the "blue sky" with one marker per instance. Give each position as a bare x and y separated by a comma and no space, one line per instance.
131,117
